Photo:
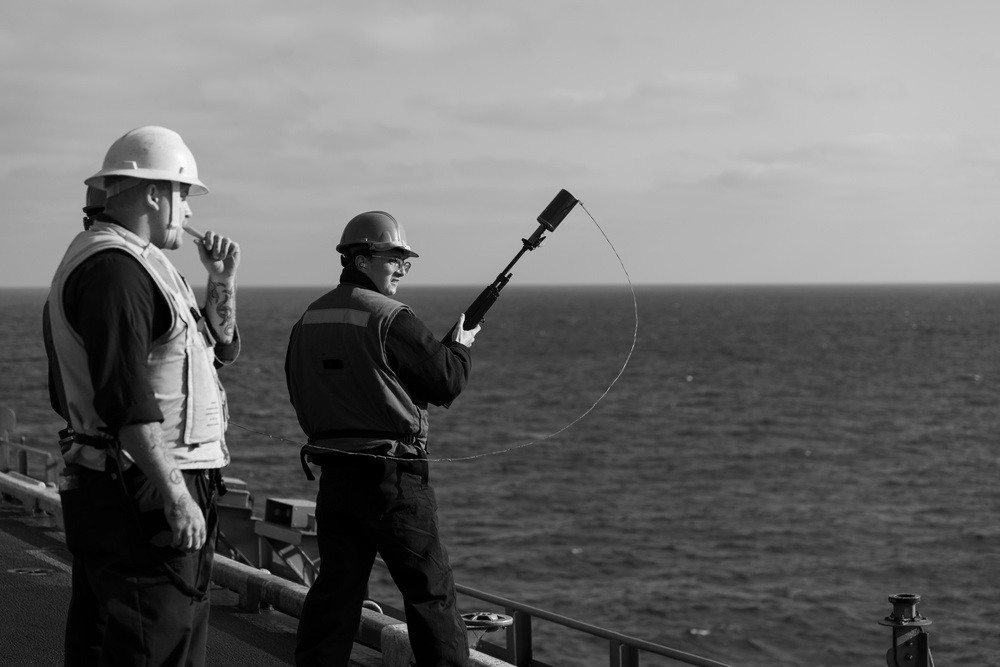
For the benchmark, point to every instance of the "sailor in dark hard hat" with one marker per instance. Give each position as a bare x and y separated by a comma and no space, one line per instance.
361,370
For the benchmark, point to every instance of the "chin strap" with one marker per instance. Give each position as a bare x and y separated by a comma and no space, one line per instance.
176,206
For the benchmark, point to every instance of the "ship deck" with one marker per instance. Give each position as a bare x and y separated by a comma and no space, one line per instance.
35,580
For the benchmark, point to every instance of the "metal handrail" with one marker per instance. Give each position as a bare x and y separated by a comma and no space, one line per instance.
616,640
624,650
50,467
256,587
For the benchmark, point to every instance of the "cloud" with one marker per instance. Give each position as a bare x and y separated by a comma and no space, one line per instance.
636,105
669,99
867,162
416,33
878,150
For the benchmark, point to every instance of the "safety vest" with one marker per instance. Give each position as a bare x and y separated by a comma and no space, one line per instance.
346,396
180,363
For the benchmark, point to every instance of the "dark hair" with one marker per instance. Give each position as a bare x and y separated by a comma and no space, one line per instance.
352,252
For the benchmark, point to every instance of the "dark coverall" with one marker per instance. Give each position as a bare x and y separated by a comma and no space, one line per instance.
368,505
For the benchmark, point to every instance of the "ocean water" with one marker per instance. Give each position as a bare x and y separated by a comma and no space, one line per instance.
771,464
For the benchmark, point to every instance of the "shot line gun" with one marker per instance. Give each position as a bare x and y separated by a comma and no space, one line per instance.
549,219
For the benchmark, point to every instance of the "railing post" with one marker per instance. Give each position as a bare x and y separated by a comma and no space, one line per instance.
519,638
8,421
22,459
51,469
624,655
909,642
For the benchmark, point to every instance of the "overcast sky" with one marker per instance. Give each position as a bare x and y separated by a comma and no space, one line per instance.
737,141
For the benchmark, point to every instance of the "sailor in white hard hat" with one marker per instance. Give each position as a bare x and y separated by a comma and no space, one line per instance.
132,362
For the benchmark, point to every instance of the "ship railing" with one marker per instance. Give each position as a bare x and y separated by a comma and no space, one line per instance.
256,588
21,453
259,588
624,651
17,456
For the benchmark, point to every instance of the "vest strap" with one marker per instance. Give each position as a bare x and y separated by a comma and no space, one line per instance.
305,465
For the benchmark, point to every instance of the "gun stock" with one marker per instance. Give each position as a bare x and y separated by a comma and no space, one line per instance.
477,311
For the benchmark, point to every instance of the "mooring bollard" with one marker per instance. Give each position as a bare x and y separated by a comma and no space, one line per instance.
909,642
479,623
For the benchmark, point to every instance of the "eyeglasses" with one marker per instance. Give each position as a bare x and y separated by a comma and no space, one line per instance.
397,263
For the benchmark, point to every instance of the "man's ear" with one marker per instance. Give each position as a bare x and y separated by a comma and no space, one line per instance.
360,262
152,196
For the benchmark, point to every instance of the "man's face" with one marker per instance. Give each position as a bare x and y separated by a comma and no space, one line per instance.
167,231
386,269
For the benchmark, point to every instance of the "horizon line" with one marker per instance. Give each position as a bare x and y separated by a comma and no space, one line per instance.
952,283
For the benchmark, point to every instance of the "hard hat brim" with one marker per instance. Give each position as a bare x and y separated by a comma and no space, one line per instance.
197,187
377,247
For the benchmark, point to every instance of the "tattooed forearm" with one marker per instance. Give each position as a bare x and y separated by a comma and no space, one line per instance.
222,296
144,443
221,308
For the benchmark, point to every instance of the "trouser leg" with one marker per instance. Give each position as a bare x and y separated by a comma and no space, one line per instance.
332,609
410,544
150,621
147,618
84,621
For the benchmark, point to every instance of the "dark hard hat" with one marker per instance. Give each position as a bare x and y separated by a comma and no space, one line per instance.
374,230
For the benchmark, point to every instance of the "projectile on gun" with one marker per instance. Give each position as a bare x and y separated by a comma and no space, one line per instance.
549,219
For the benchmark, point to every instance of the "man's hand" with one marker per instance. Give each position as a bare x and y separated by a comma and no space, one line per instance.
187,523
466,338
220,255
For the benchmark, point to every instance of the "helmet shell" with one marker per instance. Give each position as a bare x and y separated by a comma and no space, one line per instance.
151,153
375,230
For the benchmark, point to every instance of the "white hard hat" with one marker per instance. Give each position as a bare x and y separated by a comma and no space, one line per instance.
151,153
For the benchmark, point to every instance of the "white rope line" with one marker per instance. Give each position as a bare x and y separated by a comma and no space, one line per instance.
635,336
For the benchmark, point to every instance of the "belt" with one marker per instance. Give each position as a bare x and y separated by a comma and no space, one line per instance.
331,458
405,438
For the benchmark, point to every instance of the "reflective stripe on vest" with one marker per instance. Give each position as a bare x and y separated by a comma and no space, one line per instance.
358,318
